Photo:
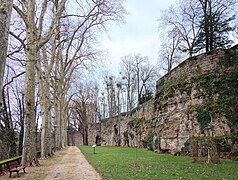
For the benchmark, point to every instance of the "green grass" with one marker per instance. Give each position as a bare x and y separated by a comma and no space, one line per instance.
117,163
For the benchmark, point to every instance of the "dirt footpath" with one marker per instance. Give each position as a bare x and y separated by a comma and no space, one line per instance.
69,163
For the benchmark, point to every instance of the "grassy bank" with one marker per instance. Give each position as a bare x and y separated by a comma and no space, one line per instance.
123,163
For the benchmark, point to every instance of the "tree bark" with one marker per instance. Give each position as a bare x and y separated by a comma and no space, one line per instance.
29,144
5,16
45,101
44,87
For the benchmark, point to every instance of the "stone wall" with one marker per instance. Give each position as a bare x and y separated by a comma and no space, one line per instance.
106,129
177,98
167,121
193,67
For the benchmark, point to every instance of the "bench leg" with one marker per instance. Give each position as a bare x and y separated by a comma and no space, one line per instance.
24,170
10,174
18,174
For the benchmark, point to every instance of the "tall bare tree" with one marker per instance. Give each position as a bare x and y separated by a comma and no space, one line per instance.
36,37
139,62
169,52
148,75
78,33
82,109
110,86
182,20
48,57
137,74
129,78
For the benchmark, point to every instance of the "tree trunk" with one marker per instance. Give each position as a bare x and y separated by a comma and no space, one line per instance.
5,16
206,25
45,103
29,144
62,121
59,117
57,124
20,142
211,24
21,133
46,119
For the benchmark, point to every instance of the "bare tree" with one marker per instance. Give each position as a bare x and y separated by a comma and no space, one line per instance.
138,62
35,39
57,46
148,75
110,86
18,110
169,51
48,57
128,75
183,22
78,31
137,74
5,16
82,109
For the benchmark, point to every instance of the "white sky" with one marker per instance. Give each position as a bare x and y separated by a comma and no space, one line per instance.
138,35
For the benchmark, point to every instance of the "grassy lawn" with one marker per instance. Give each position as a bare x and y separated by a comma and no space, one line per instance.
131,163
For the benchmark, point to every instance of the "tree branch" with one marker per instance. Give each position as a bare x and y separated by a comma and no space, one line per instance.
14,77
21,14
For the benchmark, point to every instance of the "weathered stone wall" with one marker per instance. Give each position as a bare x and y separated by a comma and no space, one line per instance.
193,67
168,120
178,95
106,129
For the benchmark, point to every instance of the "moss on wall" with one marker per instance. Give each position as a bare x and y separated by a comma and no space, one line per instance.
222,88
203,117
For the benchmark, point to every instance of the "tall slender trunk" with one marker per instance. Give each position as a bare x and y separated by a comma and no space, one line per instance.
58,127
29,143
21,108
211,24
62,121
5,16
60,118
206,25
128,98
46,119
45,103
29,147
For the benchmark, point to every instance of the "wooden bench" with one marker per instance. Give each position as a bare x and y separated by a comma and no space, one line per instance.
14,166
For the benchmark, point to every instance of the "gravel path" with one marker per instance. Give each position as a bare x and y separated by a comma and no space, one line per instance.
73,166
66,164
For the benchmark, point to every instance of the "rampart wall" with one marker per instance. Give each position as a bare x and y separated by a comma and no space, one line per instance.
167,121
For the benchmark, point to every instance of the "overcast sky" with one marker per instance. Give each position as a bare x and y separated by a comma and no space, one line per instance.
139,34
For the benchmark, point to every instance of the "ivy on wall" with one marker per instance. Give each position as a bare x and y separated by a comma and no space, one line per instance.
222,88
137,124
203,117
169,91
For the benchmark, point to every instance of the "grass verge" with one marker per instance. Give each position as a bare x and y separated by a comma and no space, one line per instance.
123,163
